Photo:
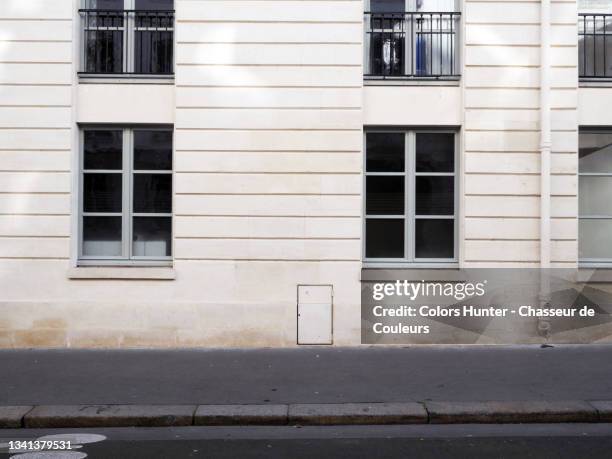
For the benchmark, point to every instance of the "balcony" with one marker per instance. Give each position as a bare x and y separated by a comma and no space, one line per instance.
595,46
412,46
127,42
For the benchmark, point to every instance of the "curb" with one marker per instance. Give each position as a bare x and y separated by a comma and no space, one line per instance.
429,412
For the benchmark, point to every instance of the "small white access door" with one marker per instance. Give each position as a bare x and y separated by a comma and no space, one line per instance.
315,314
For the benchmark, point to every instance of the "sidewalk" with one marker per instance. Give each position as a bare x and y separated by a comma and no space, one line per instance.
399,385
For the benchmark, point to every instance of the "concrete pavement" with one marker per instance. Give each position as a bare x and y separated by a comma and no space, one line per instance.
311,385
305,375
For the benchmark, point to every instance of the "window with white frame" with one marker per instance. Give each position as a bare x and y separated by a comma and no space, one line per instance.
410,196
406,39
125,206
134,37
595,189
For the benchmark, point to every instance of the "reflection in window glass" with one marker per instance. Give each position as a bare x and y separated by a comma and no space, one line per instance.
385,152
152,150
387,6
435,195
102,193
435,152
385,195
595,152
434,238
159,5
104,4
152,236
152,193
103,150
102,236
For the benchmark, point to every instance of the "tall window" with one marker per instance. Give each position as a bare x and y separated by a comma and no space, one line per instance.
595,190
126,195
128,36
410,189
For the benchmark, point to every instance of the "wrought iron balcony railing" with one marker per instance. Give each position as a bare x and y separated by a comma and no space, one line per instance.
595,46
129,42
412,45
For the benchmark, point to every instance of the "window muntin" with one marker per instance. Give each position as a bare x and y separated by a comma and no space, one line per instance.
410,196
128,37
126,195
595,189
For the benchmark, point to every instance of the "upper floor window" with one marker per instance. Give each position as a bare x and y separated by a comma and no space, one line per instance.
125,203
410,196
133,37
594,39
411,39
595,45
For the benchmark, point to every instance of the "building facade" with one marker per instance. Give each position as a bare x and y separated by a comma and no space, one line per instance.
220,173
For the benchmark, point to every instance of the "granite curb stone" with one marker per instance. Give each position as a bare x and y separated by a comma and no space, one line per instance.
510,412
357,413
223,415
58,416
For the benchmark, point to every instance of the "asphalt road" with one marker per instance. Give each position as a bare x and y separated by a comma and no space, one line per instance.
306,375
367,442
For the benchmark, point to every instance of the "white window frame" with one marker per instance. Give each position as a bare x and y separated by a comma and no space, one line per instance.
126,258
409,215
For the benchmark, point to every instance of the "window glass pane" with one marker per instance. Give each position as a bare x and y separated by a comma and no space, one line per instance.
152,150
387,47
384,238
434,238
104,52
594,196
385,195
387,6
385,152
435,195
435,152
102,236
152,193
153,51
102,192
152,236
596,152
104,4
437,6
103,150
154,4
595,239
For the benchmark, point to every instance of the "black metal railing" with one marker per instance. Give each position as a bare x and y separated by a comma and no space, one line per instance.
127,42
412,45
595,45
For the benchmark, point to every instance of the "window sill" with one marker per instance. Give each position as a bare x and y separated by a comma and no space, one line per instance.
93,78
122,273
443,272
400,265
375,81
